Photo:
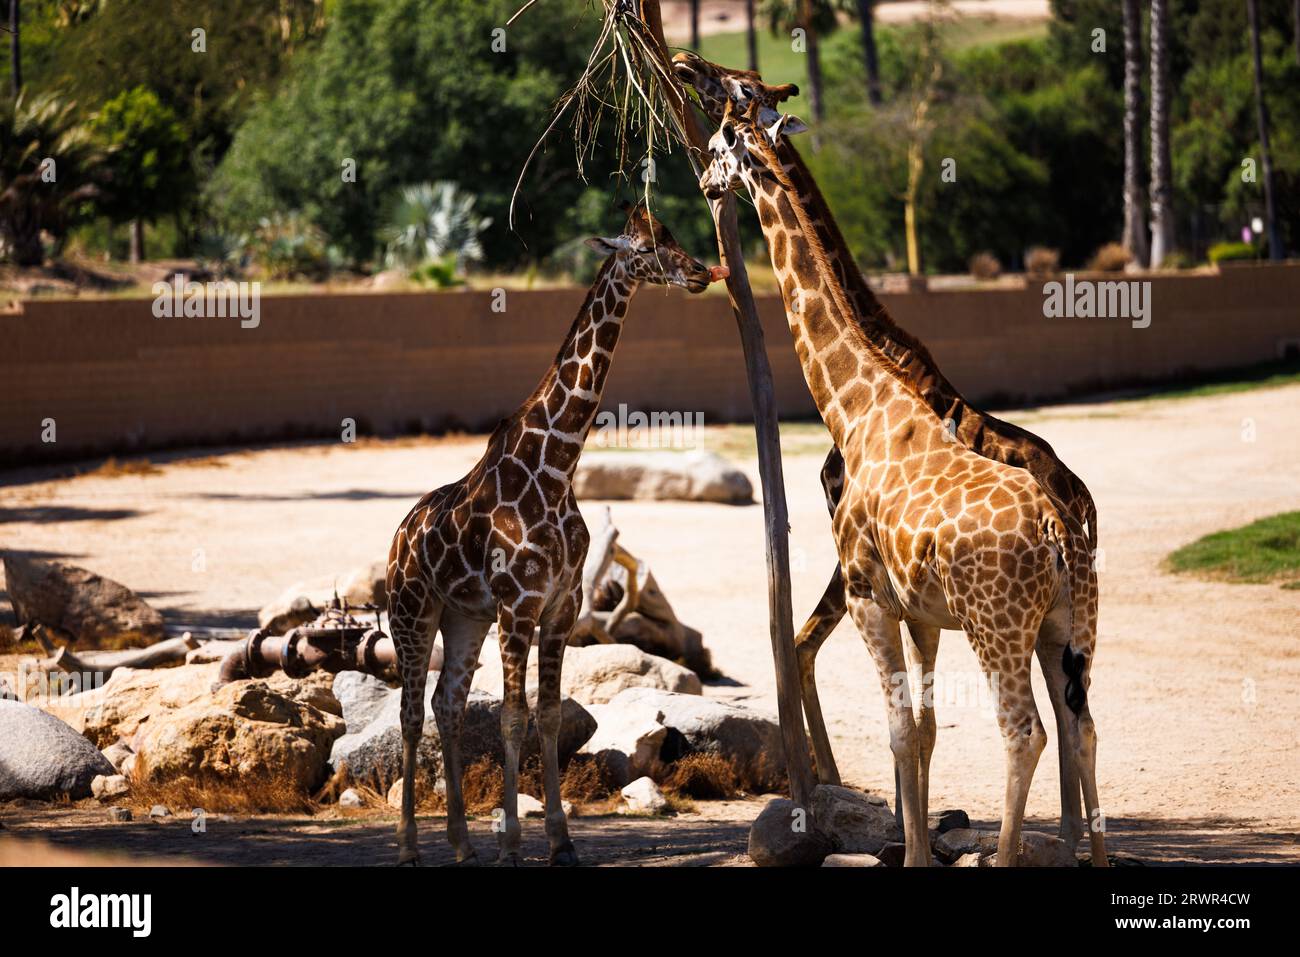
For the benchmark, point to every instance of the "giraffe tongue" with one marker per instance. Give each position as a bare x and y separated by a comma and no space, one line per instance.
718,272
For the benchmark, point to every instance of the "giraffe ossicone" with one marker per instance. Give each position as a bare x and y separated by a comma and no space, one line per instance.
507,543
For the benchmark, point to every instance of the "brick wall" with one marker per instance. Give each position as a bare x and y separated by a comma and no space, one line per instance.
114,377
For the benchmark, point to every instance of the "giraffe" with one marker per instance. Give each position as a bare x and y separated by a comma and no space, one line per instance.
982,433
507,543
926,529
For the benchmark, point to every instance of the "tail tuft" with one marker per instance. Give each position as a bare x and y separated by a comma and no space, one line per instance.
1073,664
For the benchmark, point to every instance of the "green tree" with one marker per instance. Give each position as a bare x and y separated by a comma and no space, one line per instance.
149,160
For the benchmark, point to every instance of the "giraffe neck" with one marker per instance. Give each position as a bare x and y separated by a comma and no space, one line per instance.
559,413
903,349
851,379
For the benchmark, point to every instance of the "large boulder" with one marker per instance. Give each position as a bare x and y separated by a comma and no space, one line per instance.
244,730
628,739
689,476
79,604
594,674
303,601
42,758
854,822
373,754
972,847
361,697
783,836
750,740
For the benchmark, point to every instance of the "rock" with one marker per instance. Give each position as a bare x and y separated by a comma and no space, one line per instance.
628,739
246,729
951,845
1036,849
350,798
127,770
968,860
120,814
375,752
752,741
691,476
1045,850
852,821
893,854
643,796
42,757
361,697
593,674
303,601
105,787
852,860
119,709
528,806
389,279
159,811
782,836
950,821
394,798
117,754
87,607
567,808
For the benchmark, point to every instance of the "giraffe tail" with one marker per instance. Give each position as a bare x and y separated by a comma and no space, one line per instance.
1074,548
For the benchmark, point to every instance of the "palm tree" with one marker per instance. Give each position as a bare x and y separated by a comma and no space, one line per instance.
1261,116
431,222
867,17
1135,231
751,33
1162,191
50,167
15,49
815,18
695,25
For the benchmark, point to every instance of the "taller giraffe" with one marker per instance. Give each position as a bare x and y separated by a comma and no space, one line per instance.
982,433
926,529
507,543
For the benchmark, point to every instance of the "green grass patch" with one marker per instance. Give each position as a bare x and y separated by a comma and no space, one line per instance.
1267,375
1264,551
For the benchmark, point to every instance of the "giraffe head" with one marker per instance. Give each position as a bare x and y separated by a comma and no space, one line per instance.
743,149
717,86
647,252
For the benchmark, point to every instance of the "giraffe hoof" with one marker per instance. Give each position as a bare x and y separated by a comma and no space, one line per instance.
510,859
411,859
470,861
564,856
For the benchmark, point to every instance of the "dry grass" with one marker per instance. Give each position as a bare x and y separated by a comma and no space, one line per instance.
704,775
115,468
1042,262
985,266
242,795
1111,257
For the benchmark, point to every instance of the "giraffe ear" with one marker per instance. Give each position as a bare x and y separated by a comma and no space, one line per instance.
606,247
787,124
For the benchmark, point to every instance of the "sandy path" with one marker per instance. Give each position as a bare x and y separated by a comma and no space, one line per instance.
1195,685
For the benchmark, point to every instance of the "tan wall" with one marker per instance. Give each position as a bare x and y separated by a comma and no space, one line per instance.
114,377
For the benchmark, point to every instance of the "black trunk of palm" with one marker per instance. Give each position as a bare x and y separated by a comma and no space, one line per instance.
867,16
1261,116
814,66
1135,230
1162,190
751,33
695,25
1295,22
15,50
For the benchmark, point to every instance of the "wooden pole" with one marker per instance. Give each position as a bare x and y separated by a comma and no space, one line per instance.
762,395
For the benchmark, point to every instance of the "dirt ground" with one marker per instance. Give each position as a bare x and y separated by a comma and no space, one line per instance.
728,16
1194,689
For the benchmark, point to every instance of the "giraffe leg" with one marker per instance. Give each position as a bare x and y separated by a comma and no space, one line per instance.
413,619
1051,642
516,637
880,631
1022,734
922,647
550,659
462,640
815,631
1086,762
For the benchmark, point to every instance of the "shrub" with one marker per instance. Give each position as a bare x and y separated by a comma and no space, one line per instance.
288,247
1232,251
1111,257
985,266
704,775
432,222
1042,262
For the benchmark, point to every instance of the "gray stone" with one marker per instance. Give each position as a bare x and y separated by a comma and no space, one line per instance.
1036,849
361,696
782,836
528,806
692,476
947,821
852,860
159,811
854,822
43,758
374,754
78,603
120,814
350,798
750,739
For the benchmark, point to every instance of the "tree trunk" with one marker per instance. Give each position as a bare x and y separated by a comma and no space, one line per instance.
751,33
1135,229
15,50
1295,24
136,254
695,25
814,71
1162,190
867,16
1261,117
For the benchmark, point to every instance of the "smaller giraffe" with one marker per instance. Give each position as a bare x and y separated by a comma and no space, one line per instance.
507,543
